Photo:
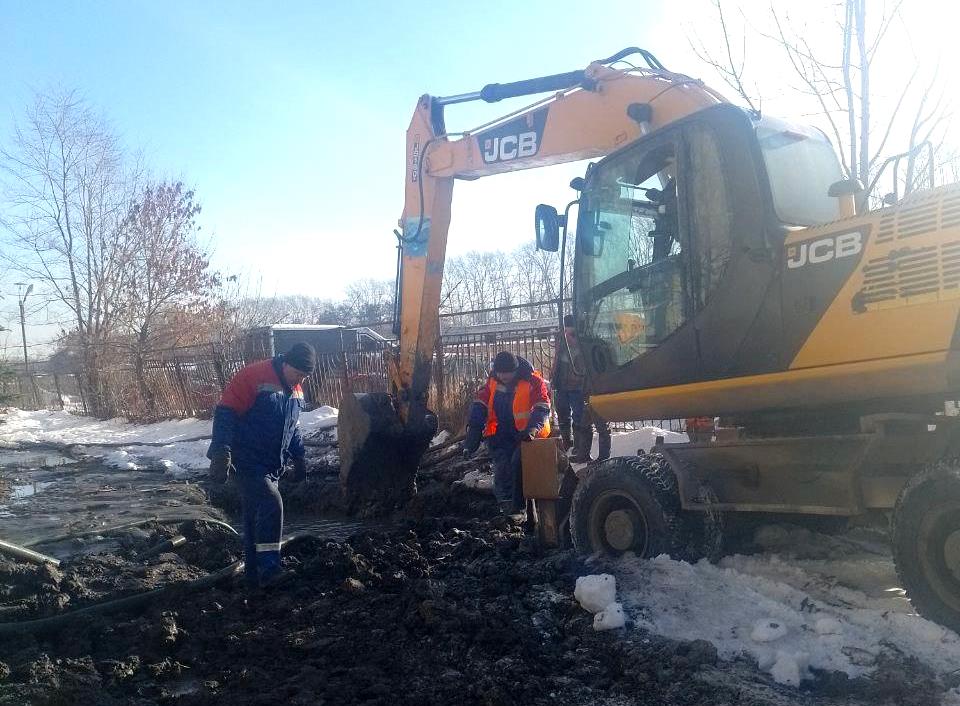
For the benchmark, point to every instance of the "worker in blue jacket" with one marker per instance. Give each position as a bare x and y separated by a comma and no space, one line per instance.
255,432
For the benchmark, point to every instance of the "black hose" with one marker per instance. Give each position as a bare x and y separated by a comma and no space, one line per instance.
164,546
128,525
42,625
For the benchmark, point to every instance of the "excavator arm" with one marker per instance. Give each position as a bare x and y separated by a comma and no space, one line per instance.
590,114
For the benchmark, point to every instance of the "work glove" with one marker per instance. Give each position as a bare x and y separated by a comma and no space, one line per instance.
472,442
221,466
299,469
526,435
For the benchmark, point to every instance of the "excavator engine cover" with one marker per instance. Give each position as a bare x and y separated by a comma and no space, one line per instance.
379,457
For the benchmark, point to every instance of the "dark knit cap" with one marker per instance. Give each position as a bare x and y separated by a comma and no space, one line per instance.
302,357
505,362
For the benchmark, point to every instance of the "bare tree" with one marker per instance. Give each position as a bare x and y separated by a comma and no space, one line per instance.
168,272
732,67
537,276
370,300
836,76
68,184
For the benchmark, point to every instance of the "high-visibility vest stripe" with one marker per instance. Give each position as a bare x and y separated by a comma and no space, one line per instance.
268,547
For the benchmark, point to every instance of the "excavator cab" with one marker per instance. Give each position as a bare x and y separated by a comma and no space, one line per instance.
678,232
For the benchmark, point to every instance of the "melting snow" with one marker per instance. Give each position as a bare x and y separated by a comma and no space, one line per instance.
809,600
176,457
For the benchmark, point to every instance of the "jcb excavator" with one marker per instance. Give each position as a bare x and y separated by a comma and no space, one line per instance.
724,267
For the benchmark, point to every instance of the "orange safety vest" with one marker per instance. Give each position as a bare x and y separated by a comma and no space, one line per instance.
521,408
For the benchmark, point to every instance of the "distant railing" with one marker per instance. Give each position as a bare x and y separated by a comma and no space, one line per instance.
180,383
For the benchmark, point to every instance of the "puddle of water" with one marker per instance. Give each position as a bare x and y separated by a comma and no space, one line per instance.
32,459
47,504
19,492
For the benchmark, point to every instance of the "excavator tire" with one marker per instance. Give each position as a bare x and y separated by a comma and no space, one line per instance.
632,504
926,542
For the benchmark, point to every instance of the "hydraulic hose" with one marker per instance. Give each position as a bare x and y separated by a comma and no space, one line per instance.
56,622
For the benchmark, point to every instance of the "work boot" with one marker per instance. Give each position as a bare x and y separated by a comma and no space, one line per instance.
603,446
565,435
582,441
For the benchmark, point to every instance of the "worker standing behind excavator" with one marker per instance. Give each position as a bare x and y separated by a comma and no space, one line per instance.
570,398
513,406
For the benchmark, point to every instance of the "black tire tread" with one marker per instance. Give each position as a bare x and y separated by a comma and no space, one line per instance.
690,535
922,597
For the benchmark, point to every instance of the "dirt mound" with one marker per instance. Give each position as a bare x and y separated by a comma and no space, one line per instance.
436,612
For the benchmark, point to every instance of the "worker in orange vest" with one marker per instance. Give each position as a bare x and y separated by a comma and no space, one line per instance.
513,406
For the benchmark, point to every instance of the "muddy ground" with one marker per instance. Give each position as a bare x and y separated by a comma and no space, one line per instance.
444,603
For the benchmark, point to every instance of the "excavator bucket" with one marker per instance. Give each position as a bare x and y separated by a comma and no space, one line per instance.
379,455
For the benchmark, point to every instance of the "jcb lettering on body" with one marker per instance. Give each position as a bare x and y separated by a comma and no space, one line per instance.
508,147
823,250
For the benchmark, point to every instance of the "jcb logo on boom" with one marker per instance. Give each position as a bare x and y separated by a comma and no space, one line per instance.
816,252
503,149
519,138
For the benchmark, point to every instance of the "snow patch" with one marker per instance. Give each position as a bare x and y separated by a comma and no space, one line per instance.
177,455
318,419
595,592
768,631
477,480
610,618
824,602
790,667
627,443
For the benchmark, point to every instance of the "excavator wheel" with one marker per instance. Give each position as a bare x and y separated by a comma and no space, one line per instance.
379,456
926,542
632,504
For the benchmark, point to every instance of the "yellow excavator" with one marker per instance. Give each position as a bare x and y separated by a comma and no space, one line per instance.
723,267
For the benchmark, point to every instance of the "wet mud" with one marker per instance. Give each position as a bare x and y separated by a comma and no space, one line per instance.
444,602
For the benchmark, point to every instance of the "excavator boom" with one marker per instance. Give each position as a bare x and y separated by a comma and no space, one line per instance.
591,113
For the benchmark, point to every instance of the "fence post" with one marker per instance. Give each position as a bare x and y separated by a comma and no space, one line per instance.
344,376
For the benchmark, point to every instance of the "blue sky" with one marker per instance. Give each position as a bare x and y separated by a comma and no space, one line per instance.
289,117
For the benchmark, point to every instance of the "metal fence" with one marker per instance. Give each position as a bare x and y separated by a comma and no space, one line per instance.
188,382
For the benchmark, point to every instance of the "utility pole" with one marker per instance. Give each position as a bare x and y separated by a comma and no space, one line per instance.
23,320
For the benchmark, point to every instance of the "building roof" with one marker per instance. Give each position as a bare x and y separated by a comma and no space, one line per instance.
302,327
